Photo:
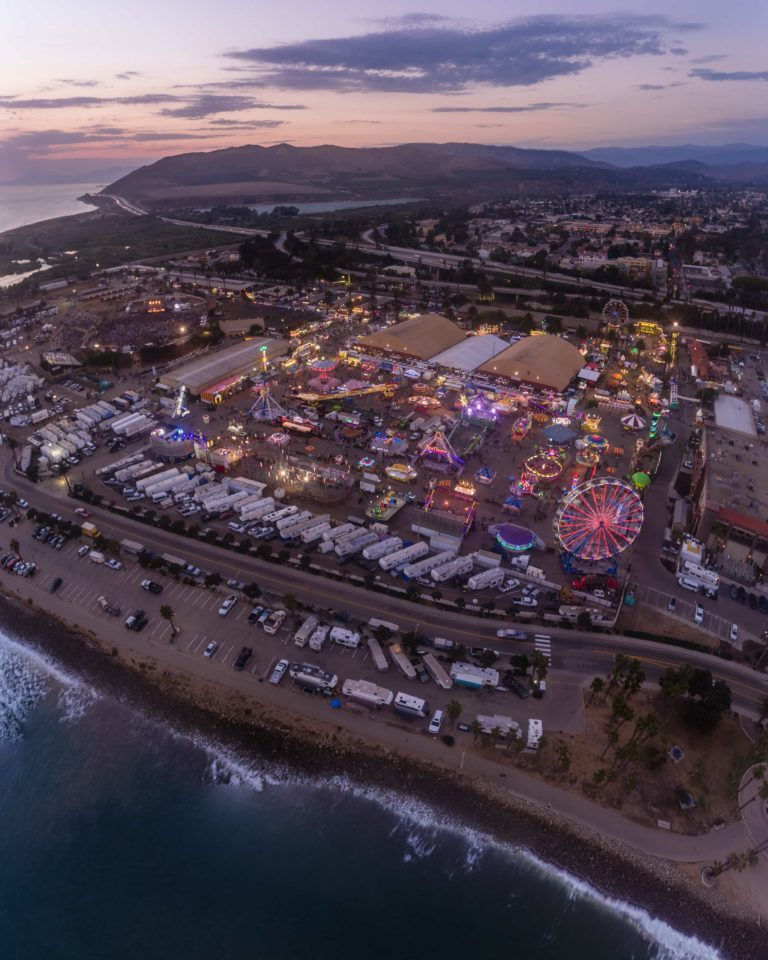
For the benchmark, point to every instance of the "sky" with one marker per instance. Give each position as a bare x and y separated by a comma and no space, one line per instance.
89,86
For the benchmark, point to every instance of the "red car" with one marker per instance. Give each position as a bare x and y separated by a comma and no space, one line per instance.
82,512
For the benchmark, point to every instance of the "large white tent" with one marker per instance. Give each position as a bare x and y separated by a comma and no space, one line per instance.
471,352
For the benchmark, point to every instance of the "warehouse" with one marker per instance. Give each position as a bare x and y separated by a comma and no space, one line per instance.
216,376
418,338
471,352
543,361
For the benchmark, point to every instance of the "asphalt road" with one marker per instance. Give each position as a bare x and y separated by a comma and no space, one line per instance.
582,655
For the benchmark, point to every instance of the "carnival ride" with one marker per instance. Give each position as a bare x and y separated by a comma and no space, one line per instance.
437,453
598,519
387,389
457,502
615,313
544,466
513,538
265,408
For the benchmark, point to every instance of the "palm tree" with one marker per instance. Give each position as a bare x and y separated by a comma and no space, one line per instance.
166,613
476,728
453,710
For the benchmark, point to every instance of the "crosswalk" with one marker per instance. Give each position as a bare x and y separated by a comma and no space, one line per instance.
543,644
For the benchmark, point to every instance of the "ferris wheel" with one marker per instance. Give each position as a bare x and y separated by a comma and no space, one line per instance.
615,313
598,519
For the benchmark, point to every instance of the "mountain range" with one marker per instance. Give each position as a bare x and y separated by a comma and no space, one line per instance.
455,172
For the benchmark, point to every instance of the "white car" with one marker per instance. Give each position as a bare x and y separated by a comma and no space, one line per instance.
211,649
114,564
435,723
698,614
279,672
509,585
734,633
524,602
227,605
82,551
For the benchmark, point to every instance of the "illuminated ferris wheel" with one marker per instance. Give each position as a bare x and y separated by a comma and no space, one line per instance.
615,313
598,519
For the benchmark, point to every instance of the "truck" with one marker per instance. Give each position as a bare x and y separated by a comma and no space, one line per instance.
345,638
350,547
173,561
401,661
468,675
435,669
367,693
497,723
89,529
313,534
408,706
394,561
339,531
381,549
318,638
310,677
377,654
132,547
411,571
95,556
485,580
305,631
455,568
440,643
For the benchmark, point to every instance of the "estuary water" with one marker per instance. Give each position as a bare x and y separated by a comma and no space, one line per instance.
124,837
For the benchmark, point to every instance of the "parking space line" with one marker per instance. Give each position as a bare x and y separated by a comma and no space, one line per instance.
200,643
192,640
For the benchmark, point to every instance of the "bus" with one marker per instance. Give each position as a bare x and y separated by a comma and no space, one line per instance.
436,671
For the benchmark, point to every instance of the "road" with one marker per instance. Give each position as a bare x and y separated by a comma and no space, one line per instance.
580,655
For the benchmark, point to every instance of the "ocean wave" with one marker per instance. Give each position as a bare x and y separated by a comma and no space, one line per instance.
26,676
420,825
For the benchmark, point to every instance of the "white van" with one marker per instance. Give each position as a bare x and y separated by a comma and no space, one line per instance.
435,723
687,584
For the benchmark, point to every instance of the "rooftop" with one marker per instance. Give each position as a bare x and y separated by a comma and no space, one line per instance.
732,413
471,352
542,360
234,361
420,337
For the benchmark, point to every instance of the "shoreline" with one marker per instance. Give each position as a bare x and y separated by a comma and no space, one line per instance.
252,730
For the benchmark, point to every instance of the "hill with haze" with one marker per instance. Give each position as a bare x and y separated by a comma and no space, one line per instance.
459,172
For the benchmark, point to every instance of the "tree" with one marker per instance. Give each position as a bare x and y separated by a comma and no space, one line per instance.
596,687
166,612
264,551
14,545
453,710
252,590
584,620
382,634
290,602
213,579
476,728
761,793
539,665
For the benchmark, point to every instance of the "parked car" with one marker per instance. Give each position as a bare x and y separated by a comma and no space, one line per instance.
509,585
83,551
242,658
114,564
672,605
152,586
137,620
211,649
55,584
227,605
698,614
279,672
435,723
734,636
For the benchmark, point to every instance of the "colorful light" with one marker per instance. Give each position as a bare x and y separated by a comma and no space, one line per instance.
599,519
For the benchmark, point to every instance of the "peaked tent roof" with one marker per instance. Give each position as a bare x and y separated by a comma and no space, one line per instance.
544,360
420,337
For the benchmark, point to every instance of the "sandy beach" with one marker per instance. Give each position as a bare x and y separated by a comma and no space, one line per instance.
317,748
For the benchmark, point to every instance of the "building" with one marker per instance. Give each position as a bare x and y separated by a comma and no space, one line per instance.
471,352
216,376
543,361
418,338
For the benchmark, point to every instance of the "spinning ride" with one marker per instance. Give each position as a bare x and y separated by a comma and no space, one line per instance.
615,313
599,519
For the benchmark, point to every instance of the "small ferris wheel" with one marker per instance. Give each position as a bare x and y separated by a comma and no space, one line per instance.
615,313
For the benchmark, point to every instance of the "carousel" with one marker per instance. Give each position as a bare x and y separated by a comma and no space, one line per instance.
544,466
402,472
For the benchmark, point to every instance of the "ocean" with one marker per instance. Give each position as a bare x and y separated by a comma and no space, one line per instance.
20,205
125,836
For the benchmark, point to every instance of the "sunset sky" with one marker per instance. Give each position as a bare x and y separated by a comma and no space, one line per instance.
89,85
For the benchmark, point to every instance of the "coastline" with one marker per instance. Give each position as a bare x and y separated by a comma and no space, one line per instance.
249,729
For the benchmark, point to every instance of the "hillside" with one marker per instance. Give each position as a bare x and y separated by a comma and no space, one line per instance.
456,171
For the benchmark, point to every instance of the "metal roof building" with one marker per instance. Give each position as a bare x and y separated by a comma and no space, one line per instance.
217,375
542,361
471,353
418,338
